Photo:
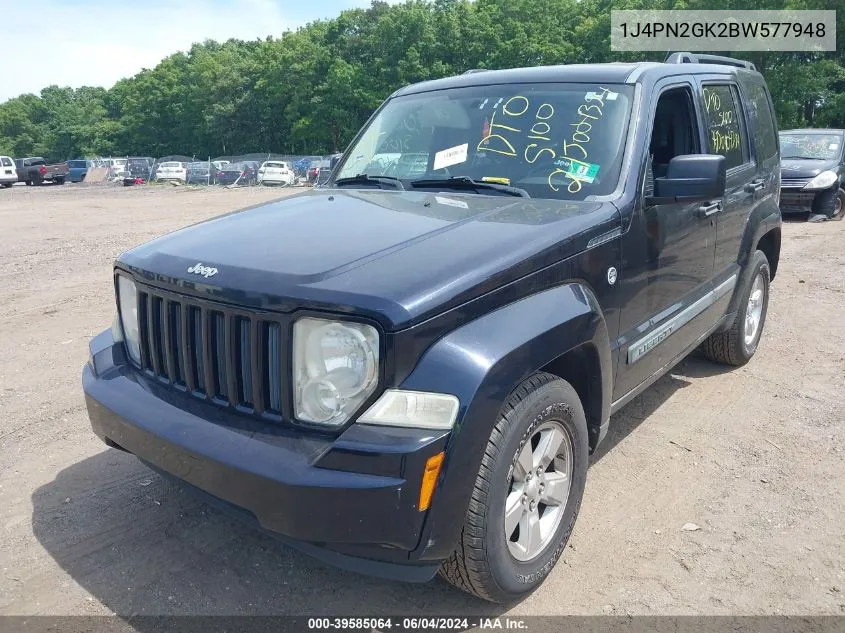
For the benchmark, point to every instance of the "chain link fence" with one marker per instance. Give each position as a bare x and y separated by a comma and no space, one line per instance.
242,170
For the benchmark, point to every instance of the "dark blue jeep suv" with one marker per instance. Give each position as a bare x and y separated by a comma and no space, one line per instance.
406,370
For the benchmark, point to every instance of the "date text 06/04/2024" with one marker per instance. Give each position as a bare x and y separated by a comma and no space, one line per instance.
416,623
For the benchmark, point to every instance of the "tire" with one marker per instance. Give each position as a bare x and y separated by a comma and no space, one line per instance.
485,562
28,183
839,205
59,181
731,347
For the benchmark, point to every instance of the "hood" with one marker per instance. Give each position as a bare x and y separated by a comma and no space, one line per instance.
398,257
805,168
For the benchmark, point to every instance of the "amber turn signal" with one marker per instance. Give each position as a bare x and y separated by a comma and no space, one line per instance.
432,470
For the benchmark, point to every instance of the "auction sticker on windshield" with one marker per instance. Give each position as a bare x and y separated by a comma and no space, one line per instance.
451,156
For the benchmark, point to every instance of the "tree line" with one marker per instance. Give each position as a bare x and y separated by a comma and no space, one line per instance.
308,91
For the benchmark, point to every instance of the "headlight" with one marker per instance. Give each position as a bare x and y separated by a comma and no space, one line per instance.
822,181
335,369
127,297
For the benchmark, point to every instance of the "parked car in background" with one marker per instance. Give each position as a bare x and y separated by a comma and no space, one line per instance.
8,173
200,173
138,170
276,172
243,173
117,167
77,170
171,170
812,172
300,167
314,169
35,170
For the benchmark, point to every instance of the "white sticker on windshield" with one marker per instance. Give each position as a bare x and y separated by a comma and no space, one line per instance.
611,96
451,203
451,156
833,146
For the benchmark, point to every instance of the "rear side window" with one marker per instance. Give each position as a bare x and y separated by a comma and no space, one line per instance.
7,162
725,135
765,135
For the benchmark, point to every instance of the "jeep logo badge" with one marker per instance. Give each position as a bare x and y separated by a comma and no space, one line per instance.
205,271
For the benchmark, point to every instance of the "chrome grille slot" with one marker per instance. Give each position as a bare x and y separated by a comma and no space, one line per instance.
274,367
196,349
244,360
219,355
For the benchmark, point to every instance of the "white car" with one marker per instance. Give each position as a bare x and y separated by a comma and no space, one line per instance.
172,170
275,172
117,167
8,173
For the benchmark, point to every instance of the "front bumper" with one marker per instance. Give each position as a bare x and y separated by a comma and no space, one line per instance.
349,500
793,201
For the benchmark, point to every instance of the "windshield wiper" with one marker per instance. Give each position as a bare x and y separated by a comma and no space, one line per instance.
799,157
364,179
462,182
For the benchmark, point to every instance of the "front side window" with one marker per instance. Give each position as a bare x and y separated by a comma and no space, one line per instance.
724,126
811,145
561,141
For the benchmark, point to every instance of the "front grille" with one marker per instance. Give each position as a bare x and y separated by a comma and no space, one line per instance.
231,356
794,183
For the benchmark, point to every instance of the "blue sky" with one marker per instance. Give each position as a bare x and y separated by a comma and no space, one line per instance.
97,42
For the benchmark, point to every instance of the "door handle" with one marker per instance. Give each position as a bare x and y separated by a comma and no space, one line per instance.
709,209
755,185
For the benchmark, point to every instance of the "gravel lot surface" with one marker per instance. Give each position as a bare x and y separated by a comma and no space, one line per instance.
752,456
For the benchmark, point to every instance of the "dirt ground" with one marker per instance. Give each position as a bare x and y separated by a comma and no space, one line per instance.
753,456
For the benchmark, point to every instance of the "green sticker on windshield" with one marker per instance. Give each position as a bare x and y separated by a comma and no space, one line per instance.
578,170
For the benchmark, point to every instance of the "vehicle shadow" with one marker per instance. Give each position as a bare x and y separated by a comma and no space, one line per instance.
626,421
141,545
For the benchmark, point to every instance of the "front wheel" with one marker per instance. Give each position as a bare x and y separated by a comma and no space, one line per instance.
527,494
737,345
839,204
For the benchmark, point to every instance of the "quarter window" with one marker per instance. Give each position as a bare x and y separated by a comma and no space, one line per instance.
764,128
725,135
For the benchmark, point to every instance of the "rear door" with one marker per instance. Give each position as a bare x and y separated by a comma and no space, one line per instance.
728,135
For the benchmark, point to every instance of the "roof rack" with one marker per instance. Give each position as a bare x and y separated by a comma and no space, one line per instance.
690,58
475,70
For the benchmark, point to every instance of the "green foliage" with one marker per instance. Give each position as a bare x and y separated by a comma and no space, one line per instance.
310,90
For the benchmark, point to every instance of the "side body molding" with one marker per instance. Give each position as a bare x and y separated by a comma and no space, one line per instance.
481,363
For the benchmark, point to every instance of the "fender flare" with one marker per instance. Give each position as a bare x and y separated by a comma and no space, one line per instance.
481,363
758,224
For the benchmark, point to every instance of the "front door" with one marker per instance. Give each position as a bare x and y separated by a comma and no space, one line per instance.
668,253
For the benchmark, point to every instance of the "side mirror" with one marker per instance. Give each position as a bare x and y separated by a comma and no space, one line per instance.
691,178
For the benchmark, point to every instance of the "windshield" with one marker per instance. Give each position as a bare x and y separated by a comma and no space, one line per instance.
171,165
552,140
810,145
276,165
